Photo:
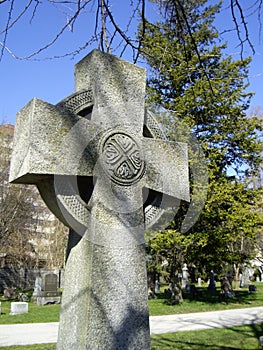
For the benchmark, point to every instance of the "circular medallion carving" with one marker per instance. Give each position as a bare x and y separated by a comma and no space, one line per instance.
122,158
70,200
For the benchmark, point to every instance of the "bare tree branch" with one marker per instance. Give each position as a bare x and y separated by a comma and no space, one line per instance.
127,40
142,30
104,27
259,18
233,5
34,11
110,35
7,26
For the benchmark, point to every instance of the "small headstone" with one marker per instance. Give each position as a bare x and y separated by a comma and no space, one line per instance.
18,307
199,281
157,287
212,285
245,281
185,276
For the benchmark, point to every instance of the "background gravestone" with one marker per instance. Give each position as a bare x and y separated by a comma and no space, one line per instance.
50,283
212,285
18,307
46,290
37,286
103,166
185,275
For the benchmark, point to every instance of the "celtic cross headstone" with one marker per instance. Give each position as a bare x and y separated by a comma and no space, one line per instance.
104,167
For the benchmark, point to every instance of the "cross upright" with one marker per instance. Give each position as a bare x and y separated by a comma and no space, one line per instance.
104,167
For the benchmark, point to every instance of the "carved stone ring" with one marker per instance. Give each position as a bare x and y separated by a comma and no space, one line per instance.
121,157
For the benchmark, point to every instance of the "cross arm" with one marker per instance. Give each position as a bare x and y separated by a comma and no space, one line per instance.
49,141
167,167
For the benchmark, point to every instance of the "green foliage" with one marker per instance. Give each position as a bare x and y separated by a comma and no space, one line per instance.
228,226
206,92
191,77
167,251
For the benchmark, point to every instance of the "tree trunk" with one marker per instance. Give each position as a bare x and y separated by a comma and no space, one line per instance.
177,296
151,276
236,271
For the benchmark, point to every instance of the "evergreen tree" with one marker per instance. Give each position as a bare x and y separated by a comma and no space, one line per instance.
207,92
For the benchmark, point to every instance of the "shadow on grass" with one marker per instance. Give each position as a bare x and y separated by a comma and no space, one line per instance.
242,297
166,343
255,329
232,338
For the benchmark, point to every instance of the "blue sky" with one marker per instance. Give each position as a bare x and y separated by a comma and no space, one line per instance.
52,80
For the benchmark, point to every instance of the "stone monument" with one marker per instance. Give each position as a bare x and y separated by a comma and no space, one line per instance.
46,290
103,166
18,307
38,286
185,275
212,284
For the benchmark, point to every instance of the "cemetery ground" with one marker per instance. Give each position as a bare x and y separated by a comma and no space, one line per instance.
205,301
241,337
233,338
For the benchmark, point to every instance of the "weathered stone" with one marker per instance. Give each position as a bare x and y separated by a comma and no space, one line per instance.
38,286
50,283
18,307
105,169
45,300
46,290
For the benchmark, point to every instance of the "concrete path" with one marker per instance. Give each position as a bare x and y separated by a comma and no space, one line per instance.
37,333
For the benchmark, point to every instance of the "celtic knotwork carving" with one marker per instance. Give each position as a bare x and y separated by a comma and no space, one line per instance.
122,158
77,102
66,191
153,127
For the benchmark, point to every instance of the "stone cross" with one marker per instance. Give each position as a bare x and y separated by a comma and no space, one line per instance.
104,167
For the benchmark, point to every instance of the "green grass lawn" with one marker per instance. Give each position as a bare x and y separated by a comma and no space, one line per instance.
207,301
36,314
160,306
234,338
